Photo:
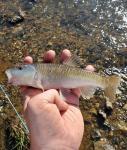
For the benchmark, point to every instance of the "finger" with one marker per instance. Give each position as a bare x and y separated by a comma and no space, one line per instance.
49,96
25,102
28,92
90,68
28,60
49,56
52,96
77,92
66,54
72,98
28,95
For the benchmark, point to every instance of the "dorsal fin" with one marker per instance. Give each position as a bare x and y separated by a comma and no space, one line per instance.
73,61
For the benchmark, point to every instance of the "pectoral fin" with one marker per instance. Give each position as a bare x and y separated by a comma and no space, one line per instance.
87,92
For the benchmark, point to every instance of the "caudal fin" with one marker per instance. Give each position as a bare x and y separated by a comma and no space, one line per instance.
112,84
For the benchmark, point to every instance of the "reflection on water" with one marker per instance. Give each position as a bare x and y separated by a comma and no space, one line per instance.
94,29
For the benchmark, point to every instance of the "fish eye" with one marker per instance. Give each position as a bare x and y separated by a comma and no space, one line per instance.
20,68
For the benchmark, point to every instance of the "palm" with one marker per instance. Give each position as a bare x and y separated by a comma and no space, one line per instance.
64,126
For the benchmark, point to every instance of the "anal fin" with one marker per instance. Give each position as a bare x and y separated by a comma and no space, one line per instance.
87,92
68,96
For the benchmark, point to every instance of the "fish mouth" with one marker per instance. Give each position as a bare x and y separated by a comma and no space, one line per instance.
11,80
9,75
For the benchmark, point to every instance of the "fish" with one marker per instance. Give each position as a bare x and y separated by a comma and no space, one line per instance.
63,76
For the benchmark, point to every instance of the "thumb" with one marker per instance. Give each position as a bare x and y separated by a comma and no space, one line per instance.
52,96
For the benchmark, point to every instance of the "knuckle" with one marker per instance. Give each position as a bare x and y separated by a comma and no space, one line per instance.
33,105
54,91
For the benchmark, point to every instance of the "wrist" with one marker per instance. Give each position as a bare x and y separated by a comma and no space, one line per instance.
58,147
53,146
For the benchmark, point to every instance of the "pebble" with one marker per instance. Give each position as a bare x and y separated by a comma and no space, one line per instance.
108,106
107,126
125,107
16,19
1,102
1,107
34,1
122,126
96,135
103,145
102,114
123,52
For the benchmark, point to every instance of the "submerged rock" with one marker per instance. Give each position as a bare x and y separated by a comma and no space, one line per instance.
122,126
107,126
108,107
103,145
102,115
96,135
122,52
15,19
125,107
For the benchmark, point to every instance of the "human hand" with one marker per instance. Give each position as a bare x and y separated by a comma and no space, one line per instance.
53,123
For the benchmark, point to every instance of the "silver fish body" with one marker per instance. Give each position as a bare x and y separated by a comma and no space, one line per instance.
64,76
47,76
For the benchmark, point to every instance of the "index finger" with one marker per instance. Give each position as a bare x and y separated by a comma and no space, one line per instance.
28,60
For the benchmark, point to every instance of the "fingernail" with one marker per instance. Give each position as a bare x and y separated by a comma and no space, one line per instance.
28,60
90,68
66,54
49,56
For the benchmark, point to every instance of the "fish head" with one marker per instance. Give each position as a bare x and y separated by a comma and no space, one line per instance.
22,75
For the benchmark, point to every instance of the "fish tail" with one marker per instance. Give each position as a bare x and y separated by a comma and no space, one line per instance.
112,84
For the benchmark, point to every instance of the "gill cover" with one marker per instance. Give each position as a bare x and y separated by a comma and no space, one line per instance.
23,75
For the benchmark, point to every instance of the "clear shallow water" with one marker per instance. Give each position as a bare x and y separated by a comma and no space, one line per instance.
94,29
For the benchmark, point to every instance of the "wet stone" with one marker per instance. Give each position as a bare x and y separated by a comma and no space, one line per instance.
1,107
102,115
116,71
34,1
16,19
108,107
124,77
2,102
125,107
108,71
124,70
103,145
2,21
122,52
122,126
101,118
107,126
113,70
29,4
96,135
